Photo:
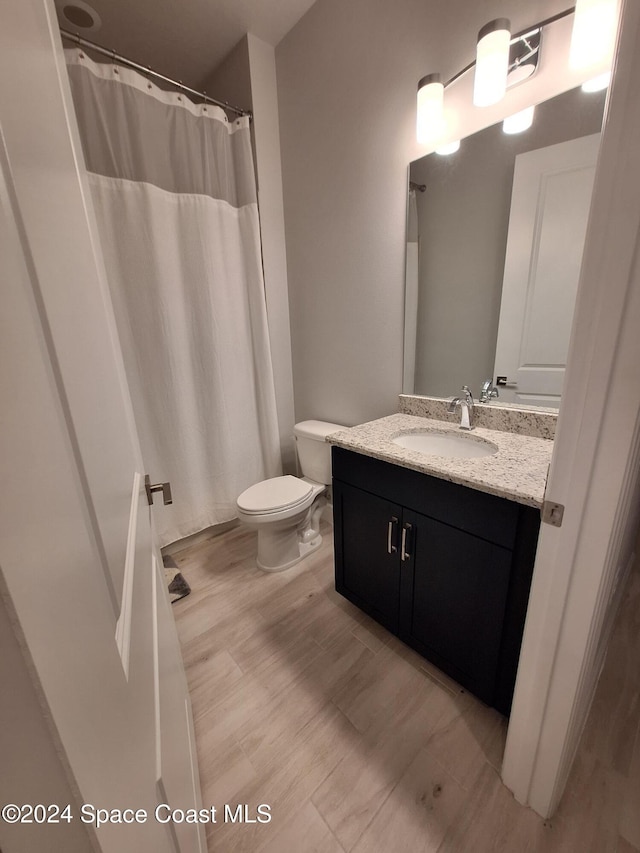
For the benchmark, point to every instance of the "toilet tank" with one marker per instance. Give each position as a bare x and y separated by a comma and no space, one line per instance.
314,453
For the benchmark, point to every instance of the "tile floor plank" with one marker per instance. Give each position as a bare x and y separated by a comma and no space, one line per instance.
356,742
417,814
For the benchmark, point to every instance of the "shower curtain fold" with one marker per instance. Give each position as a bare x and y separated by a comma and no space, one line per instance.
175,200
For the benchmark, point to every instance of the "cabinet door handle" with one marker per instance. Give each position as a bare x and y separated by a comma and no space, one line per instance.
391,549
405,555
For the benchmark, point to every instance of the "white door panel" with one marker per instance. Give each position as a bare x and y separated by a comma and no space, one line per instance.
51,566
76,538
94,382
547,224
174,732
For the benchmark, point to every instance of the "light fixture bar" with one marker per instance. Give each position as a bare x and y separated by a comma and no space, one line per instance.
430,122
514,37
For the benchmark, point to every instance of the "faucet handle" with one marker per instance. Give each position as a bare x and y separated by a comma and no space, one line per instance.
489,391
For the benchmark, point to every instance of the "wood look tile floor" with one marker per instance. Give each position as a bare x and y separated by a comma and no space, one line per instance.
356,743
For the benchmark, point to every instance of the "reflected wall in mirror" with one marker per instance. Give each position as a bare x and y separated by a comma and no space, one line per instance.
504,209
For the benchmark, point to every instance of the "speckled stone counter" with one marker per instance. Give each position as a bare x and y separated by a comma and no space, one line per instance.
517,471
538,422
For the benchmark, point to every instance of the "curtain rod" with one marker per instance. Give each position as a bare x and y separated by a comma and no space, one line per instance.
116,57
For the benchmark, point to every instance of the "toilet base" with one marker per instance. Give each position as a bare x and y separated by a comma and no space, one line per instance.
272,560
282,545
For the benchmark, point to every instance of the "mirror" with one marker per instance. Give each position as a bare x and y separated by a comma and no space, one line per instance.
498,210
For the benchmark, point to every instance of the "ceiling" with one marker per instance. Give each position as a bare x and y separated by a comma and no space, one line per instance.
184,39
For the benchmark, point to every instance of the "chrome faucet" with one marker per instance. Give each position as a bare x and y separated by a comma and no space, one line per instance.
489,391
465,401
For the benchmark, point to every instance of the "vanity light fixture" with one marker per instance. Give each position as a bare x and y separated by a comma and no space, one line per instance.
492,62
430,113
503,61
519,121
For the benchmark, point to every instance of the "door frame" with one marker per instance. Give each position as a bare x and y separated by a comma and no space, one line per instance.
581,566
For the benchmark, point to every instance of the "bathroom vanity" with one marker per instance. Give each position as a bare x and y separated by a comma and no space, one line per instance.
441,550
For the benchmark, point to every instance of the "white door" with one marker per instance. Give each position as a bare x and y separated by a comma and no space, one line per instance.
547,224
78,560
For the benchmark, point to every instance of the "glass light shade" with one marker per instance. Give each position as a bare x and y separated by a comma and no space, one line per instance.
430,112
492,63
593,34
519,121
449,148
597,84
522,72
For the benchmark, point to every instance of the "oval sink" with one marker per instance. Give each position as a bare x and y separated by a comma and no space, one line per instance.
445,444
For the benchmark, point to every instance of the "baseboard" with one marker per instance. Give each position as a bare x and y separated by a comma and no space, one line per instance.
215,530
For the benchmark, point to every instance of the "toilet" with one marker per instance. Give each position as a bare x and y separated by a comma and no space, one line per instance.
286,510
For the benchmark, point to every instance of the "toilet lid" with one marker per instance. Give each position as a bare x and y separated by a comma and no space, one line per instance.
274,494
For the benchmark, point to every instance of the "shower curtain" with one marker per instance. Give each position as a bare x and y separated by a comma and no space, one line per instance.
175,199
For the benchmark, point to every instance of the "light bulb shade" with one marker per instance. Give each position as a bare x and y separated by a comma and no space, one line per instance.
519,121
430,112
597,84
593,34
492,63
448,148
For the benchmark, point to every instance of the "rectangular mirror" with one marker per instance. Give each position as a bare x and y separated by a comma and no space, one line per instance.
494,244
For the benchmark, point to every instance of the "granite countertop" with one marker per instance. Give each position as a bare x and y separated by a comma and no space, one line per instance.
517,471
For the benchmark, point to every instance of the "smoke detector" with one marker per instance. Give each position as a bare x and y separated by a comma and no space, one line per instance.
78,15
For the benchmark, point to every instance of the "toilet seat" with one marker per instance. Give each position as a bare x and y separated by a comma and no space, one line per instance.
274,495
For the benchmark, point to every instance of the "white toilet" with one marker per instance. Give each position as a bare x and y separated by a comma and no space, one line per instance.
286,510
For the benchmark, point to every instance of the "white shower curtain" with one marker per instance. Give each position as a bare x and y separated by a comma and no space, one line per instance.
174,192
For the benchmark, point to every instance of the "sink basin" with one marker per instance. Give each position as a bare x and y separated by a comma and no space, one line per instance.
445,444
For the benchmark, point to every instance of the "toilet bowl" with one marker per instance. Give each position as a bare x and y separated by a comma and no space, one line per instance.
286,510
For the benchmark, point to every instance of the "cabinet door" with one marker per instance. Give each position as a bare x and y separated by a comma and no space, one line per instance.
367,559
453,601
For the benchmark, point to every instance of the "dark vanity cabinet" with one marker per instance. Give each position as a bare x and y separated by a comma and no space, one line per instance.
444,567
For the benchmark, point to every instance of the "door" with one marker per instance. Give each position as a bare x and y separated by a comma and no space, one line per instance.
547,224
367,528
454,596
78,561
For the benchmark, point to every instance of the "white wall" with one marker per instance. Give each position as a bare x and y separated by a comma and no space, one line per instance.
262,65
247,78
347,80
231,80
32,770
